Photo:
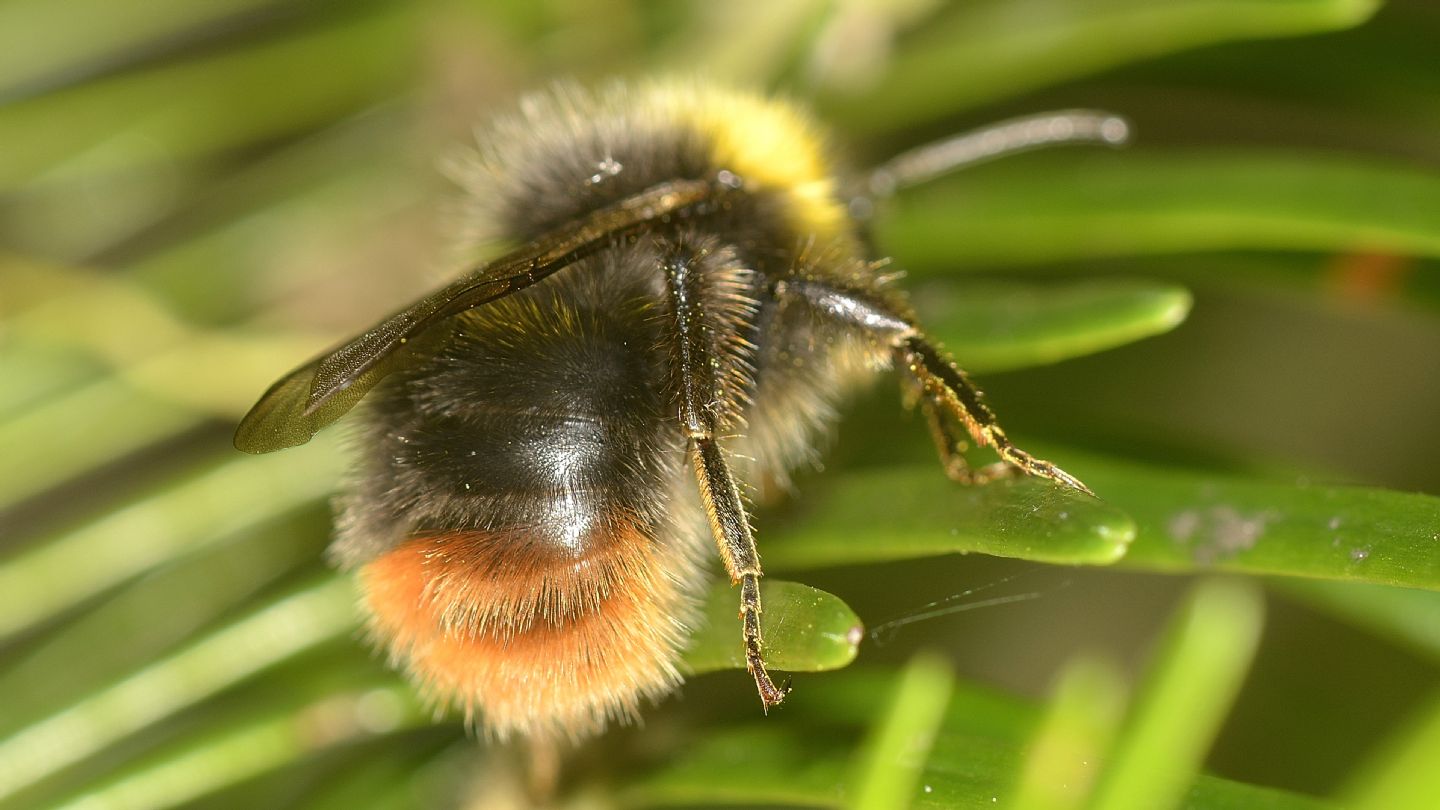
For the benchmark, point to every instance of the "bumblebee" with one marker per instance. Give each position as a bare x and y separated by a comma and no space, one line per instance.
549,439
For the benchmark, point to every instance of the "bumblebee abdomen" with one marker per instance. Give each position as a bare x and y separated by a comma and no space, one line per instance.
544,410
534,641
520,522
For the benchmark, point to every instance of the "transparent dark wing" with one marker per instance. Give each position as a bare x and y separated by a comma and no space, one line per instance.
321,391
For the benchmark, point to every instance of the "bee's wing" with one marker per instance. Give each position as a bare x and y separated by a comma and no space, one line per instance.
321,391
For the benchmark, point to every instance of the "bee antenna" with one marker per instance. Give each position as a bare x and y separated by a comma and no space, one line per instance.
996,140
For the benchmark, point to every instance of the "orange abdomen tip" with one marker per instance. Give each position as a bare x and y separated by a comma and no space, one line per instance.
527,638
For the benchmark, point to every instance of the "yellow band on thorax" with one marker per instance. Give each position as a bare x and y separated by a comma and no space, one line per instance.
769,144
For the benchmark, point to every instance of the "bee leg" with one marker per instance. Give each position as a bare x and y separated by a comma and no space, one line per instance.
960,399
945,392
699,361
951,445
731,527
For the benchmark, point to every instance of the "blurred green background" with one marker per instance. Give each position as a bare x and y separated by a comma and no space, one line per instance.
195,197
